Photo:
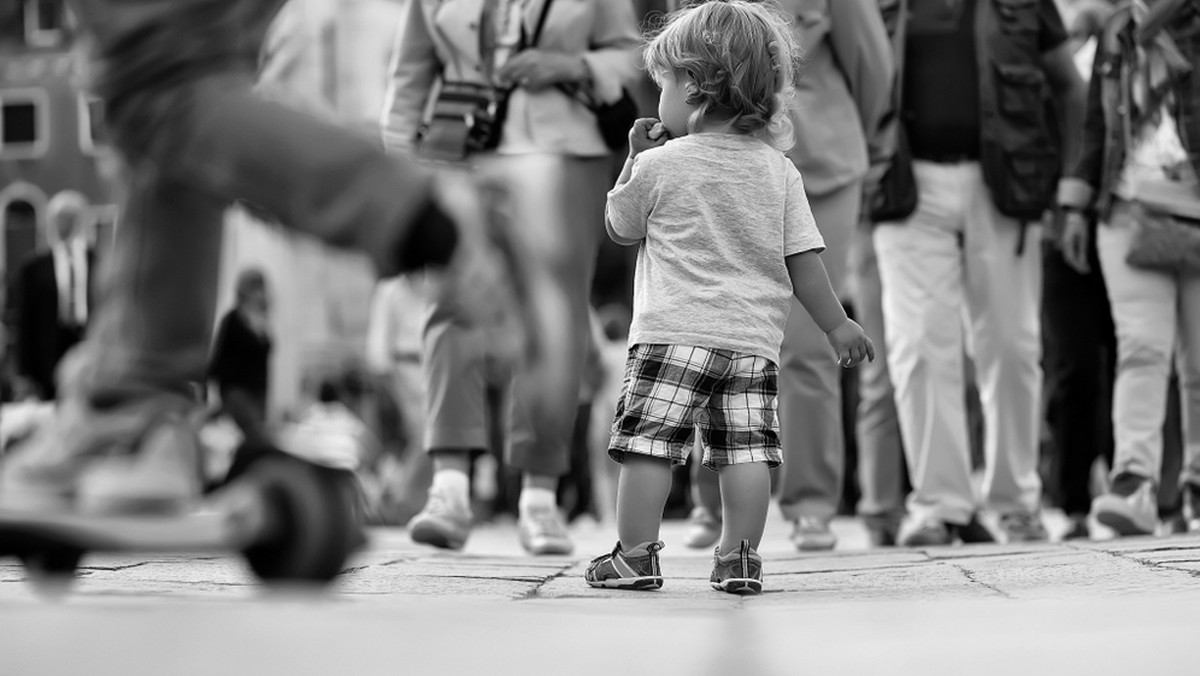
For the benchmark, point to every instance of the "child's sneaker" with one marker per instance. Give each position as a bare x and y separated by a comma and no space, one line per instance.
738,572
636,569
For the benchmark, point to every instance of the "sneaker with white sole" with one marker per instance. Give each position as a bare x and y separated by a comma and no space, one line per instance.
1130,507
141,457
1023,527
703,528
542,531
634,570
738,572
445,521
813,534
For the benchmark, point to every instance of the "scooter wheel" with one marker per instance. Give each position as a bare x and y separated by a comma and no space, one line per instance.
314,530
52,571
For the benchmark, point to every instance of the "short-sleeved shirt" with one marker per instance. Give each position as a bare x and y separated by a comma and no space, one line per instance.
715,215
941,80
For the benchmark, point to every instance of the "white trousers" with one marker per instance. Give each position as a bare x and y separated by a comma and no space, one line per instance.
1153,312
955,265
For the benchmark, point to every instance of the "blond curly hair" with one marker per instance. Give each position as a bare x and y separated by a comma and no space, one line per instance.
739,59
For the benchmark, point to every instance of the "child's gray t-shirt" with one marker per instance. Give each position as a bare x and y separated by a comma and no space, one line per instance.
715,215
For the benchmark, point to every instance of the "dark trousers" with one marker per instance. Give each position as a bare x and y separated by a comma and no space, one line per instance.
1079,361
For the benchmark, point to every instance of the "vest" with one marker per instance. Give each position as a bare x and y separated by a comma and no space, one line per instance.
1020,149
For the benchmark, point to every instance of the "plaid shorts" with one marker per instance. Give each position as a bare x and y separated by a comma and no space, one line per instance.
670,391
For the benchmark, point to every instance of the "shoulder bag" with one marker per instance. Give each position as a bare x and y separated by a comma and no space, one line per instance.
895,198
467,118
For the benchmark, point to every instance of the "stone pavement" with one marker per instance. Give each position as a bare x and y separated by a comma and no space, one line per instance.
1117,607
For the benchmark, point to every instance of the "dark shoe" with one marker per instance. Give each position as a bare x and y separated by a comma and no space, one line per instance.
633,570
1078,528
974,532
1023,527
882,529
1130,507
738,572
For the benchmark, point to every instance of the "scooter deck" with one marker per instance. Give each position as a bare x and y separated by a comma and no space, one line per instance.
231,521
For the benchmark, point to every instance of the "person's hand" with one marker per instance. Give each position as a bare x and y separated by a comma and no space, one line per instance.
851,344
646,133
535,69
1074,242
872,181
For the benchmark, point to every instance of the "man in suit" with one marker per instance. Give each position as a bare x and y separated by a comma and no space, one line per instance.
53,296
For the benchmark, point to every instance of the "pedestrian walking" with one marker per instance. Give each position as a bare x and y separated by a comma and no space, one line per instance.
838,115
991,108
546,63
176,80
1138,176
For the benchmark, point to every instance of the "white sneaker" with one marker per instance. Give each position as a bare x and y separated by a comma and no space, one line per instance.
1130,507
812,534
703,529
140,458
542,531
445,522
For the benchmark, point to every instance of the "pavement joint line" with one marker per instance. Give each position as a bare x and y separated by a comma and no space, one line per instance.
491,578
976,581
536,592
113,569
1153,565
823,571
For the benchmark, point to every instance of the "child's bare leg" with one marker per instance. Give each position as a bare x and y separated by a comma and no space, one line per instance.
642,493
745,497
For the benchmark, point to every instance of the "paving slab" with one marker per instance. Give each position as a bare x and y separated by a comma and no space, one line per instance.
1077,608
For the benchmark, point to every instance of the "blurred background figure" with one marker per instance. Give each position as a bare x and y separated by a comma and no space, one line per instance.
241,359
1078,339
53,295
393,357
992,105
841,99
586,46
1138,175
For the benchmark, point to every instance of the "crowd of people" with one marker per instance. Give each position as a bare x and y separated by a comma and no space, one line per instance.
986,208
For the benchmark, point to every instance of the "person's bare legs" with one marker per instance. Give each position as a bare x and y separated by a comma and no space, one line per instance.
642,492
745,497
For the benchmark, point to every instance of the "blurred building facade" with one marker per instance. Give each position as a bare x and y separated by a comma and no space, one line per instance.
51,131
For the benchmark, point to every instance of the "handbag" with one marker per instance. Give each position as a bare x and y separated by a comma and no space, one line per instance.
1166,228
467,118
895,198
615,119
1164,243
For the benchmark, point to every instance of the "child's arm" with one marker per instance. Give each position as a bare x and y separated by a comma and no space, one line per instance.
810,285
646,133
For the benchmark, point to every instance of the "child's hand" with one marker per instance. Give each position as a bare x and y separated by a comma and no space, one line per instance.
645,134
851,344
